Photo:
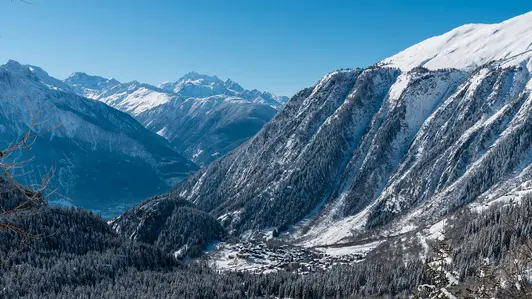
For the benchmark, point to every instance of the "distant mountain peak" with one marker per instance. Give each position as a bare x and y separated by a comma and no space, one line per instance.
15,66
195,85
33,72
134,82
12,64
86,79
230,84
193,76
113,81
80,75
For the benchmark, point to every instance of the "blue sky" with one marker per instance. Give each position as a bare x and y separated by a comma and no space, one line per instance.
274,45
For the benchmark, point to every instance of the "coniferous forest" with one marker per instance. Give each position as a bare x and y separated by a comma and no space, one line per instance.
71,253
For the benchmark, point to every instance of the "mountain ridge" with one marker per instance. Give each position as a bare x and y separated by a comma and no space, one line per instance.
366,149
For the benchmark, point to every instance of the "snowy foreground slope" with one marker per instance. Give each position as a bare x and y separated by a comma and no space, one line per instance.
391,148
103,158
202,116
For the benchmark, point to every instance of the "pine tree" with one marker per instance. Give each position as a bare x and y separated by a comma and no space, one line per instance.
438,279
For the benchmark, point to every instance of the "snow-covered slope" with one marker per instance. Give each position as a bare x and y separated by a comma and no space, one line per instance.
132,97
208,128
202,116
470,46
104,159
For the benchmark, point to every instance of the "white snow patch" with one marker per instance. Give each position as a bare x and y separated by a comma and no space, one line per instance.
142,100
399,86
330,232
181,252
435,232
514,196
403,229
348,250
197,154
162,132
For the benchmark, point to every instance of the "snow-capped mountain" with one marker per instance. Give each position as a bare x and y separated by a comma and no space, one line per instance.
393,146
104,159
195,85
202,116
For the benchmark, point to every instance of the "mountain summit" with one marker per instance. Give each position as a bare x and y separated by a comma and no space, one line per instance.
201,86
470,46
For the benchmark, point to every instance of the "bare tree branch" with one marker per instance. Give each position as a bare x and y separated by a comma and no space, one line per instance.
11,170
